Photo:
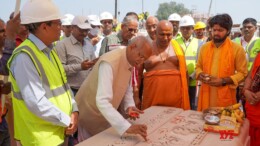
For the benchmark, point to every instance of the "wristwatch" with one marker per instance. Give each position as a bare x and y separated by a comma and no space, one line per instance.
224,83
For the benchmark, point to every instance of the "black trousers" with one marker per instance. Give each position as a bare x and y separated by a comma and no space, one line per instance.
5,138
192,94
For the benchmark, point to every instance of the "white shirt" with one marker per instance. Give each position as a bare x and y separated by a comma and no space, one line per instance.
98,46
105,95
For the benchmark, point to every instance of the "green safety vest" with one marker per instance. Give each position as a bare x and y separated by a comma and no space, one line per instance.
190,55
31,130
251,50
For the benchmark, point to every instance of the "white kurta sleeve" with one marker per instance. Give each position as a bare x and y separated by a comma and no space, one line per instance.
105,96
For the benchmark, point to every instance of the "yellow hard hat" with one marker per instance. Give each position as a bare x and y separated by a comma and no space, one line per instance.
199,25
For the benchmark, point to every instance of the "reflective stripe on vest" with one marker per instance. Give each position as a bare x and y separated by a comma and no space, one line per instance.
48,92
249,48
190,57
250,54
251,59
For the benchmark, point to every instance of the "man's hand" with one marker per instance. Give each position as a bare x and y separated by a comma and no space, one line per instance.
5,88
251,97
138,129
95,40
12,27
95,60
86,64
73,124
258,94
214,81
204,77
133,113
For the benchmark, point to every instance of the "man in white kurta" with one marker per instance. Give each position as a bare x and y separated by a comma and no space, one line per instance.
107,92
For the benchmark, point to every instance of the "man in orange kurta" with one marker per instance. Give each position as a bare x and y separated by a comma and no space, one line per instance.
221,66
165,80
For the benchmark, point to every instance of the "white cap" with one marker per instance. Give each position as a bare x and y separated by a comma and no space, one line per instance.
81,22
68,19
94,20
106,16
187,21
174,17
35,11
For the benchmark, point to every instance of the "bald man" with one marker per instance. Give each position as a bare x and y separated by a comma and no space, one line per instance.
108,87
151,25
165,82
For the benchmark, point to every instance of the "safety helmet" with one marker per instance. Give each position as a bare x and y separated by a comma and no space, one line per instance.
94,20
68,19
187,21
106,16
35,11
199,25
174,17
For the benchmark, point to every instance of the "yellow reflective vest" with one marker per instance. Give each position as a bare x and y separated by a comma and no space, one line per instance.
31,130
190,52
251,50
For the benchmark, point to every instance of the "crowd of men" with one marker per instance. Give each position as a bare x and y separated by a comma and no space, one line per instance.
67,88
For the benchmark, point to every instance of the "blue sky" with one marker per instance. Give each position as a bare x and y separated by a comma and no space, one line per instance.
238,9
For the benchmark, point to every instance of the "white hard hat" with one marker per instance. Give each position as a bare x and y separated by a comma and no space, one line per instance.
106,16
187,21
81,22
68,19
35,11
174,17
94,20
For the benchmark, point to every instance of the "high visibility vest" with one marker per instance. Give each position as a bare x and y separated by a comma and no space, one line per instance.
251,50
190,52
31,130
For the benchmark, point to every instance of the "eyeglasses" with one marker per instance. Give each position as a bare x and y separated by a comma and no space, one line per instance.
132,30
58,23
95,26
67,26
82,30
106,21
151,26
186,27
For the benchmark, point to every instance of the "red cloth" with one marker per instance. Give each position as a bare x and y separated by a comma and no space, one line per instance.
256,65
253,111
254,133
18,41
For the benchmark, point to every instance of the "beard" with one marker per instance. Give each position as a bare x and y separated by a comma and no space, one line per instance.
220,40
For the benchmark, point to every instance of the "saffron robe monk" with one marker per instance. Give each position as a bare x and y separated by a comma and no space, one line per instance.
165,80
